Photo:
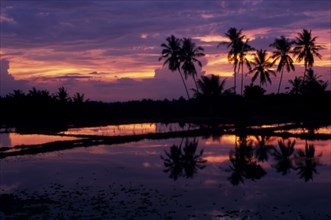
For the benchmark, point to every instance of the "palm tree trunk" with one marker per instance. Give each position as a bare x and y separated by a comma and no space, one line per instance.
180,73
195,81
242,78
235,79
280,81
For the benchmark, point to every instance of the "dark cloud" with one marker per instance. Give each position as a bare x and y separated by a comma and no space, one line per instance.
128,34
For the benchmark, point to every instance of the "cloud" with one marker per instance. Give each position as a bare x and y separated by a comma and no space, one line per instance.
7,81
120,38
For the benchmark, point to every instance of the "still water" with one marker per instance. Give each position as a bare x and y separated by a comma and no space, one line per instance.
220,177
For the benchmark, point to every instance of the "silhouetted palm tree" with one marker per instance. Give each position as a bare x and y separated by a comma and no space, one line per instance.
210,88
283,156
306,162
297,84
306,48
189,55
78,98
244,48
261,67
62,95
171,52
234,46
282,55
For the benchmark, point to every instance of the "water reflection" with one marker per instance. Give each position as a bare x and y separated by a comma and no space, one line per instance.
306,162
283,156
183,161
243,164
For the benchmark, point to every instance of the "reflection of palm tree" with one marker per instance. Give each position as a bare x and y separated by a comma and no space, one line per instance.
283,156
234,46
183,161
262,148
261,67
306,162
306,49
171,53
242,164
281,54
189,54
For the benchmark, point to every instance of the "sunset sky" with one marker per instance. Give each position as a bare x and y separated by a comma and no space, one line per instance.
109,50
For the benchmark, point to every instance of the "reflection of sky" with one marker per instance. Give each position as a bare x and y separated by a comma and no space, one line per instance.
14,139
128,129
140,163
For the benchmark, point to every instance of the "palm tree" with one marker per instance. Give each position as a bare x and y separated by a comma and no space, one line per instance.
282,55
244,48
171,52
261,67
297,85
62,95
210,87
234,47
306,48
189,54
78,98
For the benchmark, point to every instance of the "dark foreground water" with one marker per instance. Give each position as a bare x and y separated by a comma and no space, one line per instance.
221,177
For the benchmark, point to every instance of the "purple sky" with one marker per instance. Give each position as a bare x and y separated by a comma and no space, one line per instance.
109,49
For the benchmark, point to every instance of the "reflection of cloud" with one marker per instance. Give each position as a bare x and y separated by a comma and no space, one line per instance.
5,140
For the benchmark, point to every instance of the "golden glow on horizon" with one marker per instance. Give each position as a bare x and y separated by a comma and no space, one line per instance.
39,62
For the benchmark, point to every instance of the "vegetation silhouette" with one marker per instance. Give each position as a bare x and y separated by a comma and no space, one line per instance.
306,162
183,161
306,48
244,48
261,67
242,163
180,55
171,53
283,155
262,148
281,54
235,46
212,101
189,55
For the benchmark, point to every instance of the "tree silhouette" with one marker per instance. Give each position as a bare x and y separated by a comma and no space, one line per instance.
62,95
297,84
306,162
183,161
234,45
210,88
283,155
306,48
261,67
78,98
189,55
171,53
244,48
281,54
